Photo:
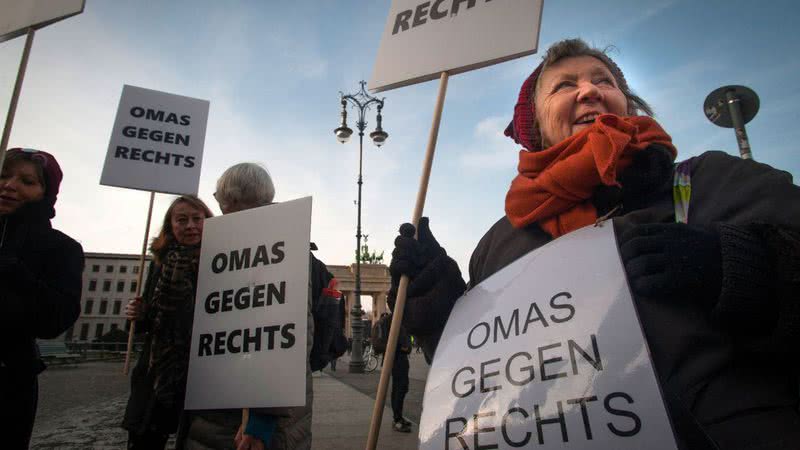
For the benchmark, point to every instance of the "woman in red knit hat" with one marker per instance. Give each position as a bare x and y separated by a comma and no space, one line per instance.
40,283
715,286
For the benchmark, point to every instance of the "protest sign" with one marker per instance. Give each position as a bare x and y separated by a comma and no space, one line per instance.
250,318
547,353
17,16
423,38
156,142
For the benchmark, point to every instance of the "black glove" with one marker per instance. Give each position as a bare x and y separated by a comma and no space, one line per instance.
649,172
411,255
435,279
673,261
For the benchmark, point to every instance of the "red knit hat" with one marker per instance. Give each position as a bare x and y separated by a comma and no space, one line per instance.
50,168
523,128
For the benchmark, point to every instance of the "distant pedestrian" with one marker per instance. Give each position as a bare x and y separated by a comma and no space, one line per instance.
400,371
40,284
165,312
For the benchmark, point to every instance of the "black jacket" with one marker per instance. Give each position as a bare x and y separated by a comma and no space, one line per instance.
40,285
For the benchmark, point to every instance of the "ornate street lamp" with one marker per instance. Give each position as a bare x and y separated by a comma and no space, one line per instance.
362,102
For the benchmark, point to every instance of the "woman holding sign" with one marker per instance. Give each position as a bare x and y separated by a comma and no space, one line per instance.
710,246
40,284
241,187
165,312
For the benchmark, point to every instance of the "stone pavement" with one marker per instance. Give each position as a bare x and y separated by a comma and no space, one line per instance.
82,406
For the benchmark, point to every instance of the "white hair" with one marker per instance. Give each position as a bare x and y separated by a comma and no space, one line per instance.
243,186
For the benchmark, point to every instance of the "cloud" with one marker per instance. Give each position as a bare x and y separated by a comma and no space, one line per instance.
491,149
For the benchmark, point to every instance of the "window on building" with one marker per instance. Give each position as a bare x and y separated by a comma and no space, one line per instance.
106,285
135,269
114,326
120,286
123,269
117,307
109,269
92,285
84,331
95,267
87,308
133,286
98,331
103,307
69,334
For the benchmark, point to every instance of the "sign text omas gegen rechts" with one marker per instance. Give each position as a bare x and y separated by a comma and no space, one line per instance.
540,363
251,296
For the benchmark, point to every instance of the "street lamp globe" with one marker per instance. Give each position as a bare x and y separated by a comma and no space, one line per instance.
379,137
343,134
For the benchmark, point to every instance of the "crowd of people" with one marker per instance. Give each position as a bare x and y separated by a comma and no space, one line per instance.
710,246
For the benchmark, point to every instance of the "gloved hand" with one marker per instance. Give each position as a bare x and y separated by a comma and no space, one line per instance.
673,261
435,280
412,255
649,172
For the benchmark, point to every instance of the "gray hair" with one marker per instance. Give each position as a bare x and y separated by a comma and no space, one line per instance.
577,47
245,185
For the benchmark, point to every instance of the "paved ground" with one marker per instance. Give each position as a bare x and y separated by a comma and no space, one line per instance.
368,383
81,406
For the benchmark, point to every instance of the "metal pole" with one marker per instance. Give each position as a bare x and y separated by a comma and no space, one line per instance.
738,125
356,356
12,107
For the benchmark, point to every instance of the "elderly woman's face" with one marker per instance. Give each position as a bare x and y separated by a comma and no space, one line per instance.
572,93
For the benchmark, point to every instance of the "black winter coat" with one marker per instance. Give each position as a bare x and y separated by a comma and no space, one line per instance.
40,285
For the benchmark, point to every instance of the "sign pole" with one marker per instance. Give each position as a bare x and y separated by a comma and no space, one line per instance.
132,329
400,303
12,107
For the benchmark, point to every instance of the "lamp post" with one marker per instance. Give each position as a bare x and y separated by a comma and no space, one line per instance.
362,102
732,107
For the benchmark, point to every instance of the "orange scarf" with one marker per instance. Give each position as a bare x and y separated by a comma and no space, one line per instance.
554,185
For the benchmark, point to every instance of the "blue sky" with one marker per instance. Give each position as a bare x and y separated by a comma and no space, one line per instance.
273,71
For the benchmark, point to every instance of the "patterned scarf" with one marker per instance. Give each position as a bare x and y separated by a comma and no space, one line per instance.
555,185
172,310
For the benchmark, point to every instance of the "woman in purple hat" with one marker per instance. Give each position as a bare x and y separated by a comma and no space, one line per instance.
710,246
40,283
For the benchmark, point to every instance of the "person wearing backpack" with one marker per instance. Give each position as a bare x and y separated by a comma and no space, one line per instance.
710,247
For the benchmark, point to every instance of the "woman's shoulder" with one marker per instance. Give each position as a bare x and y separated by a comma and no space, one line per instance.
502,245
717,162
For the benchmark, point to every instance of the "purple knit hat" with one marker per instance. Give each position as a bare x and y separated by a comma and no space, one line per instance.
50,168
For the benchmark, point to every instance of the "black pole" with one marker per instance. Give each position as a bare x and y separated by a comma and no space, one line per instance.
738,125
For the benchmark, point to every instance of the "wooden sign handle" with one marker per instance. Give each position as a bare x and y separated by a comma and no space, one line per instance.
132,329
400,303
12,107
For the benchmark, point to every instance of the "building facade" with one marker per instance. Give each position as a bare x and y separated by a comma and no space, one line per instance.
109,281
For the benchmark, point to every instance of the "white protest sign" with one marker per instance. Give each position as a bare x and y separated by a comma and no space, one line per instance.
423,38
547,353
250,318
16,16
157,142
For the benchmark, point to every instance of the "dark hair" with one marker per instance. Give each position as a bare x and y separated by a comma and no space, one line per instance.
165,238
577,47
21,156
